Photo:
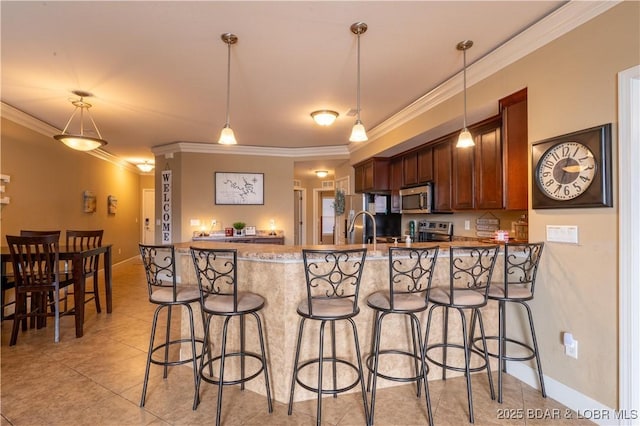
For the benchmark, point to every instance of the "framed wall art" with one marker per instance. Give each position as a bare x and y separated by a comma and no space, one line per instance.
239,188
112,204
88,202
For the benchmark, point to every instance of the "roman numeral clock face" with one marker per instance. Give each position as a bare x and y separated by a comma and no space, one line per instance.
566,170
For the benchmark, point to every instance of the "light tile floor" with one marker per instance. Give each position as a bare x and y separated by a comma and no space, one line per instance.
97,380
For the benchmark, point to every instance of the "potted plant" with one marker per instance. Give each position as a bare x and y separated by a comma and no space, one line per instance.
239,226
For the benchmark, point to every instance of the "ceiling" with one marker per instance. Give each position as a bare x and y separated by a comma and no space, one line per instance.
158,70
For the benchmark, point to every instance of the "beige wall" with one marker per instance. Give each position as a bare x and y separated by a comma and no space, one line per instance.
47,183
571,86
193,192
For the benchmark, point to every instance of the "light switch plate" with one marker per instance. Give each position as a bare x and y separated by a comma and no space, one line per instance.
562,234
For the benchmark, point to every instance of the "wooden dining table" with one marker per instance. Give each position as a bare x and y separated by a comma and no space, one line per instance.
77,258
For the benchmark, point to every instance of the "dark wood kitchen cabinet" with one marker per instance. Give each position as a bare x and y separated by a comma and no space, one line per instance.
477,171
395,174
372,175
425,165
442,175
515,144
410,169
417,167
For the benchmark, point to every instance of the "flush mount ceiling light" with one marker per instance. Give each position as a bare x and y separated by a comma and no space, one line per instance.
358,132
226,136
465,139
145,167
321,173
324,117
81,142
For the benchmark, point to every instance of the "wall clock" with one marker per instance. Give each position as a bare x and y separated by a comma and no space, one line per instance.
573,170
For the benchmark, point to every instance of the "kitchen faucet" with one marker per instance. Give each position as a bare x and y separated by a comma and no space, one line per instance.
373,219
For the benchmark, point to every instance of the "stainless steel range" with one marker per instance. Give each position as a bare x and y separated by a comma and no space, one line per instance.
430,230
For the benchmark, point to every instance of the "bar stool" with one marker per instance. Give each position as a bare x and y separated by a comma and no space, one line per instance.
160,268
410,275
470,269
217,272
333,282
520,268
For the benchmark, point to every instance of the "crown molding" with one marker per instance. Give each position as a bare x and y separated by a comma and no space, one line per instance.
334,151
554,25
566,18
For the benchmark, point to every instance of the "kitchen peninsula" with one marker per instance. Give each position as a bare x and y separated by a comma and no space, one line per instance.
276,272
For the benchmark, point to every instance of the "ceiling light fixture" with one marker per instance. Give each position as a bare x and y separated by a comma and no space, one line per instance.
322,173
226,136
145,167
465,140
358,132
81,142
324,117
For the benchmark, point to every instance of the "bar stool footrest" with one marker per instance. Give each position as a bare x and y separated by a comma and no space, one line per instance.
448,346
171,343
210,379
369,364
504,356
327,360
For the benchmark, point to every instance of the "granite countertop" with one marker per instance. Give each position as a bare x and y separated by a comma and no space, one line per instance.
275,252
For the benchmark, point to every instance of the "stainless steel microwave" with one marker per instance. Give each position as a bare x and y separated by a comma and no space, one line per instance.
416,199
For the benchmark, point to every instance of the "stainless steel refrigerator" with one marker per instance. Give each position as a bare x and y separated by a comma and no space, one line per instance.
387,224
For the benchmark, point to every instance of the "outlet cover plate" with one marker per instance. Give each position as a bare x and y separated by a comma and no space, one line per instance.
562,234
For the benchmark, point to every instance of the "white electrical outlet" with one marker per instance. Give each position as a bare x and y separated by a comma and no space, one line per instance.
572,350
467,225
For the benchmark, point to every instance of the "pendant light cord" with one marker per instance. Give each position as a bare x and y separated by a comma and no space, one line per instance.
464,74
358,67
228,81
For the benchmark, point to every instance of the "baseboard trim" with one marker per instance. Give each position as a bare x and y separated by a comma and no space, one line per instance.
585,406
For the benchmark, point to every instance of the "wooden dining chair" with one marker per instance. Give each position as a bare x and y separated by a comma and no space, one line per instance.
84,240
35,261
65,280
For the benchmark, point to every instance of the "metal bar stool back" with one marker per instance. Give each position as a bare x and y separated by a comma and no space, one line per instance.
333,284
217,273
521,262
160,269
470,271
410,275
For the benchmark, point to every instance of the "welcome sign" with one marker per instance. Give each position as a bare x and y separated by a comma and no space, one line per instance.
166,207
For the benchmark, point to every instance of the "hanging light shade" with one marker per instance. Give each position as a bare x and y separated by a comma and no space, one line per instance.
226,136
465,140
358,132
324,117
81,142
145,167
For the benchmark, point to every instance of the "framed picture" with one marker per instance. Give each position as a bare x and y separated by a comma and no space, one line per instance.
573,170
88,202
112,204
239,188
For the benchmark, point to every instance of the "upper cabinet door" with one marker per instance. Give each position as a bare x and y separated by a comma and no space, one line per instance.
515,145
442,176
410,169
425,165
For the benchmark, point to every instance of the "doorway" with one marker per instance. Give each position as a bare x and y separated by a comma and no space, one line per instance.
299,197
327,218
148,216
629,239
